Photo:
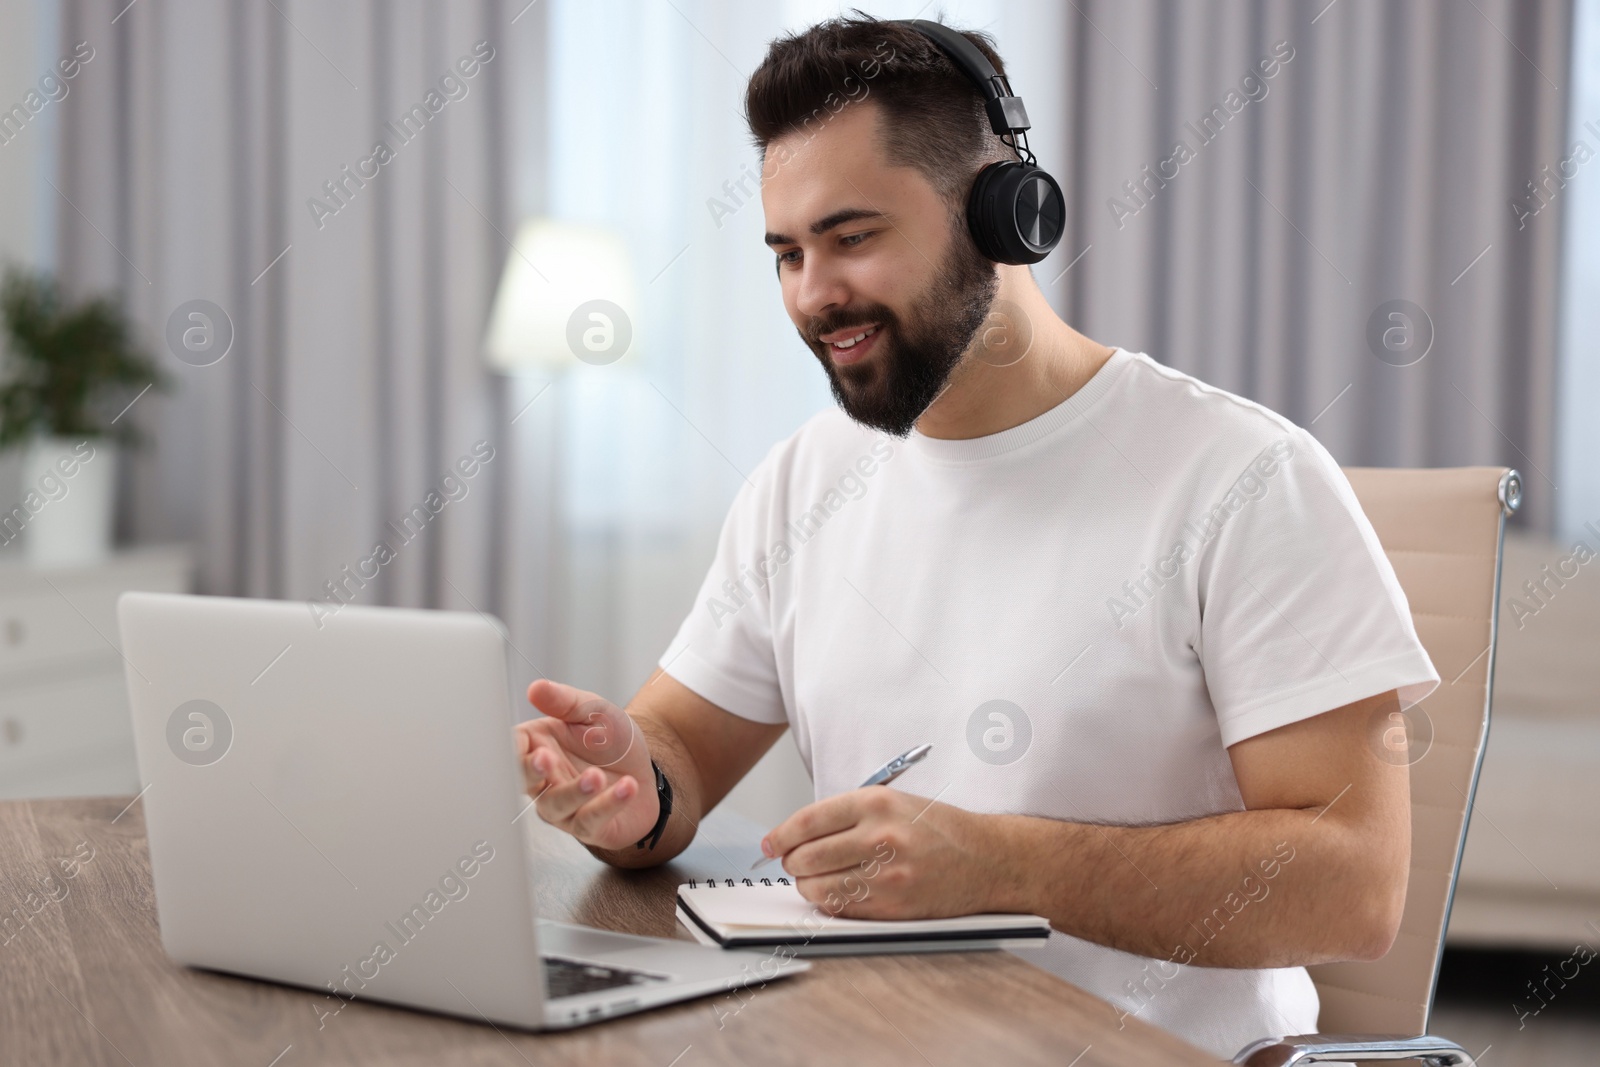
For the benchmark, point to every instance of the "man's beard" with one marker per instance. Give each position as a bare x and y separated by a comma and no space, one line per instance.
916,356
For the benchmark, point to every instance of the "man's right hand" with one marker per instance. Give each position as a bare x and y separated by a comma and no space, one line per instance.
587,767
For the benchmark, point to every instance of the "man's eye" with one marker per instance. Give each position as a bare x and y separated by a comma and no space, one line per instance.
855,238
790,257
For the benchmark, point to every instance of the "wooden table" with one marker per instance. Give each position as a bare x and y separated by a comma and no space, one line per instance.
86,981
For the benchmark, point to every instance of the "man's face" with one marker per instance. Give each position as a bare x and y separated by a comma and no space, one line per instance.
869,248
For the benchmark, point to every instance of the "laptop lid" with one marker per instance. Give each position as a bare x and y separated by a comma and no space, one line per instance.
332,802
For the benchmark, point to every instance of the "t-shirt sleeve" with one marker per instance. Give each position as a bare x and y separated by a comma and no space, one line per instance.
724,648
1301,612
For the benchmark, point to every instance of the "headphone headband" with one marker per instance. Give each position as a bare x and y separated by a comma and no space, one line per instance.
1006,113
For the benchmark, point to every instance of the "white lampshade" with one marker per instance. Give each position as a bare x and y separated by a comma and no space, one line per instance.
567,294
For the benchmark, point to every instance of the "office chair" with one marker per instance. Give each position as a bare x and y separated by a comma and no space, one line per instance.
1443,531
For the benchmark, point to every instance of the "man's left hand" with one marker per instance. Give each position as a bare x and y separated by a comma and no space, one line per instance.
878,853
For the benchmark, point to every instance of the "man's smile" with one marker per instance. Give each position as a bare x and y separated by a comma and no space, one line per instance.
851,345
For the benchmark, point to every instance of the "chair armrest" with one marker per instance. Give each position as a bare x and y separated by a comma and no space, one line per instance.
1323,1048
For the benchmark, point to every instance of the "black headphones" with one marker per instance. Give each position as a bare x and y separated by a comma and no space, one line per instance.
1015,211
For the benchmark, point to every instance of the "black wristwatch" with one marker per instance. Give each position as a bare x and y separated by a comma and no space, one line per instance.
664,794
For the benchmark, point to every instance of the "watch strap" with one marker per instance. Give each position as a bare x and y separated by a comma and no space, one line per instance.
664,795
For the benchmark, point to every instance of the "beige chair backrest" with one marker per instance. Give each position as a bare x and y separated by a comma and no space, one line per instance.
1442,530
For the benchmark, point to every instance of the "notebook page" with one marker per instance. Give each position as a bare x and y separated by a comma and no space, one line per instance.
747,911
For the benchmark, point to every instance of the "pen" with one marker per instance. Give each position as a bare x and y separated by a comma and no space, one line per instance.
882,776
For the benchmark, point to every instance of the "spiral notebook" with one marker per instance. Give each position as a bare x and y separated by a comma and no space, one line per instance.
771,913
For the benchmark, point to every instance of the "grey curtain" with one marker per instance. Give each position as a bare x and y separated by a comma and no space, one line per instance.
225,152
1383,153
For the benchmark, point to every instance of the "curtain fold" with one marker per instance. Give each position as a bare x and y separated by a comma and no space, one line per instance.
1387,157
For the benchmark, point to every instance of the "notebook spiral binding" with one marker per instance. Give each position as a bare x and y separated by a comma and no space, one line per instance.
711,883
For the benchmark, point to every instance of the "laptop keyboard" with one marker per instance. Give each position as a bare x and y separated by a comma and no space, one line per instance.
565,978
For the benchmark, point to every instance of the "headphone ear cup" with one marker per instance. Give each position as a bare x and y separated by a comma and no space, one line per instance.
1015,212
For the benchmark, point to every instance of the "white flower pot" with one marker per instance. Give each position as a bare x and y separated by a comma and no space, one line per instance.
63,513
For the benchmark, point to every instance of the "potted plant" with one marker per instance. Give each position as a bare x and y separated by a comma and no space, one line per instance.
69,372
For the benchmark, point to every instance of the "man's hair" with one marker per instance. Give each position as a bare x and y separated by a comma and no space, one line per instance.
933,115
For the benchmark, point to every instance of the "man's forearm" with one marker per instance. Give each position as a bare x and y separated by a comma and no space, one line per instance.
1265,888
671,755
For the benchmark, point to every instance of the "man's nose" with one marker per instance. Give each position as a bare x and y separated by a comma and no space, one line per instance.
821,289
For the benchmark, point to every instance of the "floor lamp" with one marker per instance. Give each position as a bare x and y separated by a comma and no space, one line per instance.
566,297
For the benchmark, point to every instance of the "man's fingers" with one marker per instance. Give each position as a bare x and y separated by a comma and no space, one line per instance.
530,733
589,819
582,761
534,732
589,727
564,797
546,765
843,851
848,894
561,701
825,817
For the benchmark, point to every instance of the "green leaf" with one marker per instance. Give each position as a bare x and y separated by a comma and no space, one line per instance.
70,368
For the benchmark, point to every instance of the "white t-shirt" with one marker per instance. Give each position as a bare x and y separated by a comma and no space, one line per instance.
1079,613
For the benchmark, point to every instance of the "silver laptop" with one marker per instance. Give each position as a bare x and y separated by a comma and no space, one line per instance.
333,800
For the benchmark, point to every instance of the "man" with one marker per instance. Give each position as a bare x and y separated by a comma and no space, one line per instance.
1142,622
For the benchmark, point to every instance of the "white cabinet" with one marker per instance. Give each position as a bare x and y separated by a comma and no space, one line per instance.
64,726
